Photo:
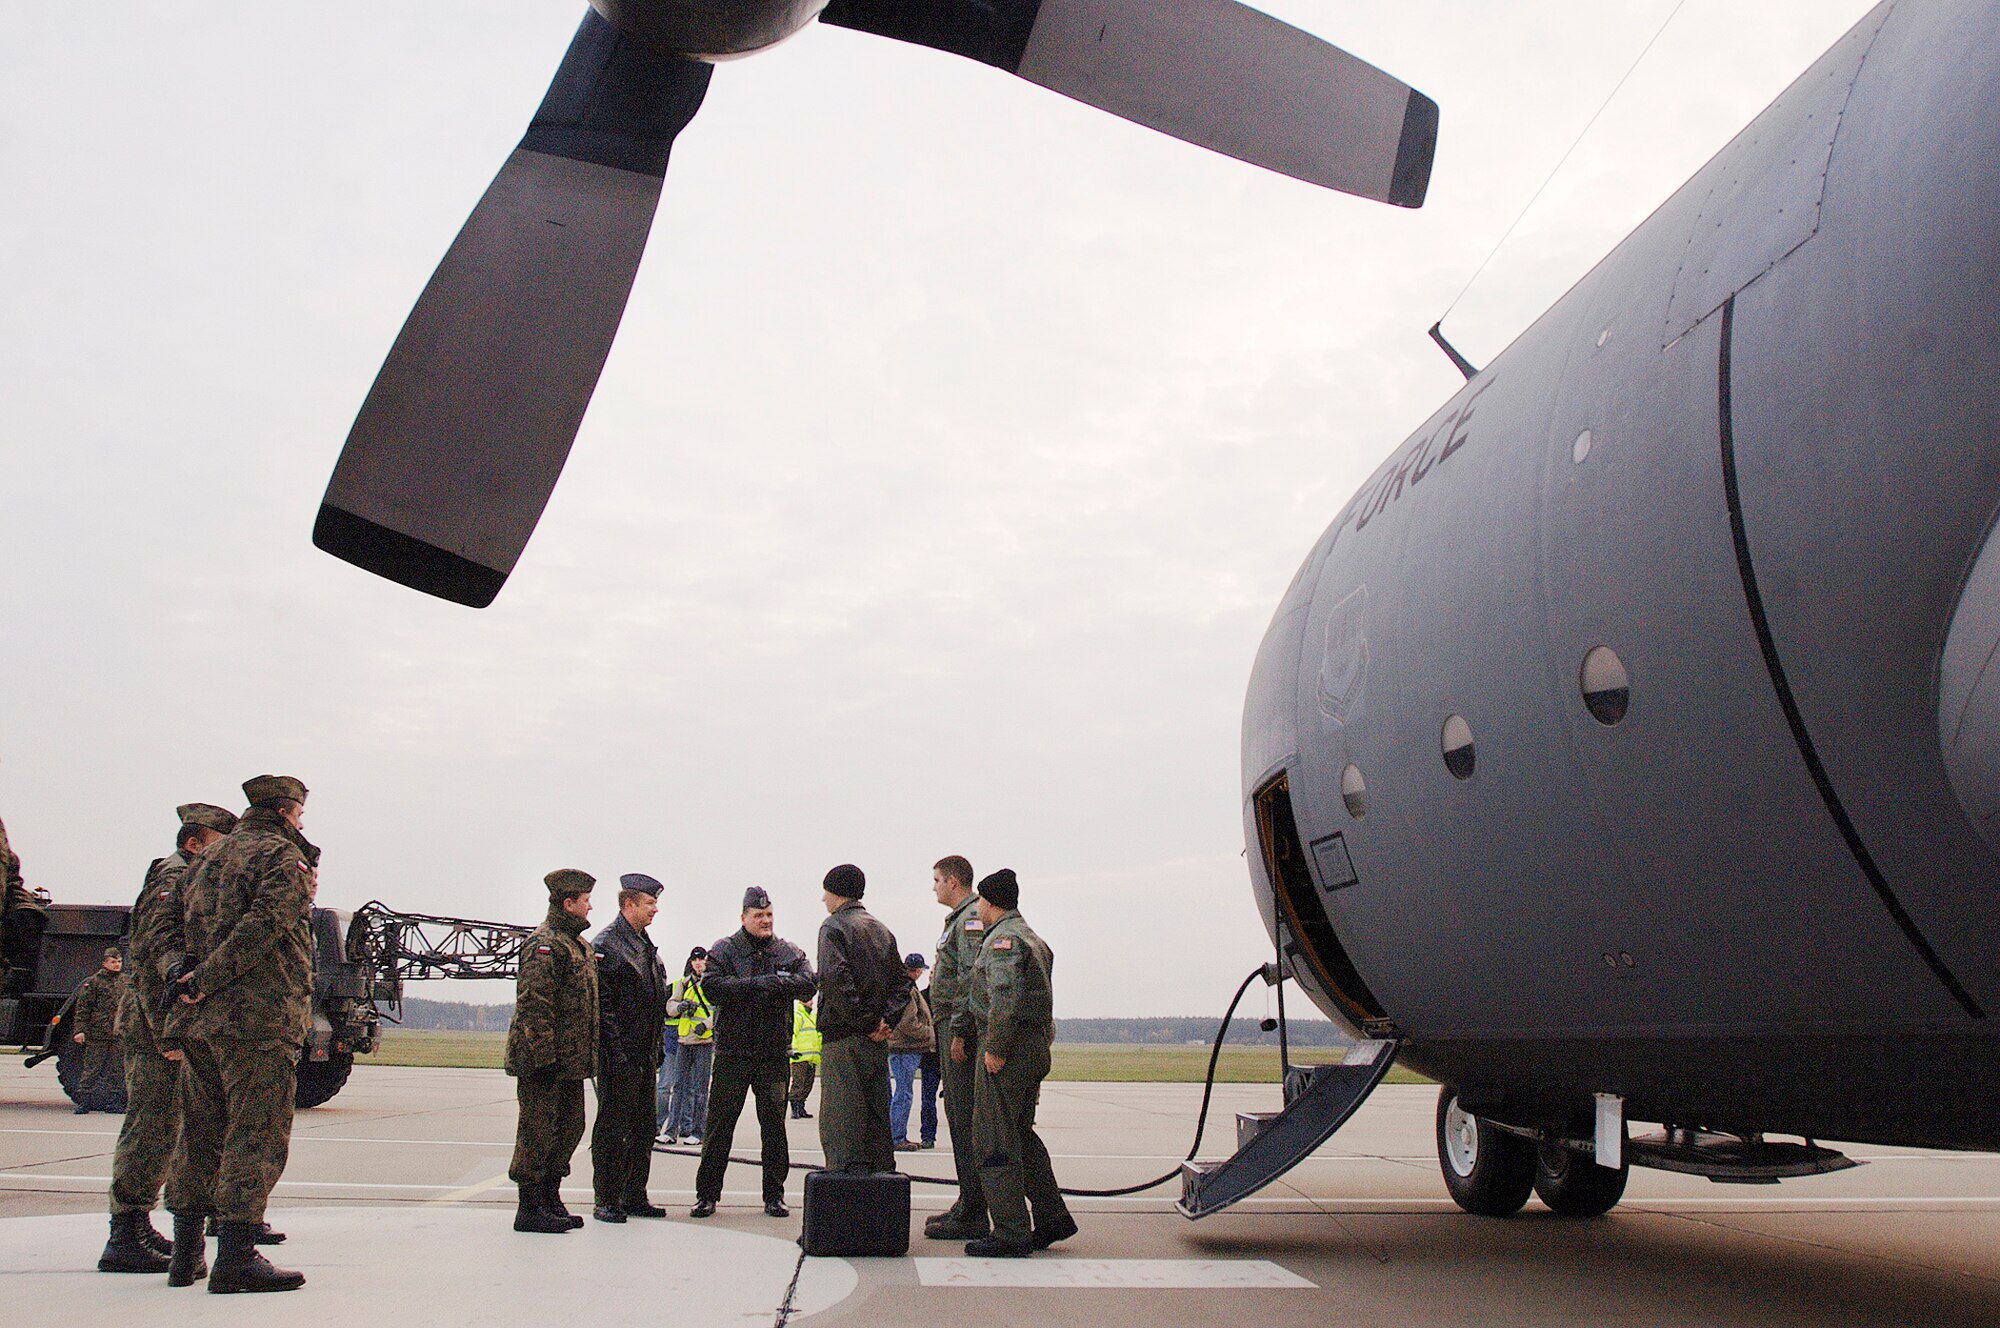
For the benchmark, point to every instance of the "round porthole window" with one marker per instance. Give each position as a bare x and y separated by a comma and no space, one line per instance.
1607,689
1354,791
1457,742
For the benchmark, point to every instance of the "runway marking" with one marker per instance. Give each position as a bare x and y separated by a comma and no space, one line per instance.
1108,1274
470,1192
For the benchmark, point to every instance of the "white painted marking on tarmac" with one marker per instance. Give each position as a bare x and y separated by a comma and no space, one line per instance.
1109,1274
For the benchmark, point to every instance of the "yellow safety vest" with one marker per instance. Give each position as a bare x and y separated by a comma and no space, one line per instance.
806,1040
697,1019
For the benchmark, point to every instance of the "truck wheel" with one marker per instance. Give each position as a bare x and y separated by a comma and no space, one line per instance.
320,1080
1488,1171
1573,1185
94,1077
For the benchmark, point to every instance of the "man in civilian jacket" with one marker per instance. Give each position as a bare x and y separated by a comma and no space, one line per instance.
753,979
863,992
631,1027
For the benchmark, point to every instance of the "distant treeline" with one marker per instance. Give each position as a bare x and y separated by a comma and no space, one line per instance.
465,1017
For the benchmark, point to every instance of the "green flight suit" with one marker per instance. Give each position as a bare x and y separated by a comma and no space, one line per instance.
246,907
951,974
1010,1005
552,1047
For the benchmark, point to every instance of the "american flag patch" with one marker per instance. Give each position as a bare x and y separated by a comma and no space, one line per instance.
1003,942
974,924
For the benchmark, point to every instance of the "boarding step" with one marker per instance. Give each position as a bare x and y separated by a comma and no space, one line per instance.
1319,1100
1732,1159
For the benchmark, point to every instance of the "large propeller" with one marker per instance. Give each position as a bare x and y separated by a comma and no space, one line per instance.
465,431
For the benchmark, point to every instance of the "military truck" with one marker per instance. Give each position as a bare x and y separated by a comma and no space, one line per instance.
361,961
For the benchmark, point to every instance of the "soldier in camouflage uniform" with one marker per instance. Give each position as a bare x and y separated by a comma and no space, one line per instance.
958,947
1010,1008
93,1025
152,1071
551,1050
22,918
244,1010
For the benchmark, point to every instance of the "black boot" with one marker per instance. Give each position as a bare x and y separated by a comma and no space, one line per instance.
126,1252
531,1215
190,1259
239,1267
552,1200
266,1234
151,1238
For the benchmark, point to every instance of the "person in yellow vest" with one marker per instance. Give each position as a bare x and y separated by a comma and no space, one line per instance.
805,1058
695,1023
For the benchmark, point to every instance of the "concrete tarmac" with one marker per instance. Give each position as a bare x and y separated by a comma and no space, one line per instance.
398,1202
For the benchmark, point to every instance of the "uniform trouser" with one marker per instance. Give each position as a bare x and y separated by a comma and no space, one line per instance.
854,1105
621,1143
550,1127
803,1073
1014,1167
236,1127
958,1094
152,1124
732,1081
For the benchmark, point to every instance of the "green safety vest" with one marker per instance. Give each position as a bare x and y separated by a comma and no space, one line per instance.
698,1012
805,1034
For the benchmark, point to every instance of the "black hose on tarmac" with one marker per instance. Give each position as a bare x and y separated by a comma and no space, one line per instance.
1200,1124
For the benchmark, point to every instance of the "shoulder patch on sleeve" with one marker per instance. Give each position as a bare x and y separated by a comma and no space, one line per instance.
1003,942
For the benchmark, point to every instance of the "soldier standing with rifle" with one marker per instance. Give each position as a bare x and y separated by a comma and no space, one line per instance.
245,1008
551,1050
152,1071
958,947
631,1028
1010,1009
93,1021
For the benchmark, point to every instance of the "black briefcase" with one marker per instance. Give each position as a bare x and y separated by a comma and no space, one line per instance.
851,1213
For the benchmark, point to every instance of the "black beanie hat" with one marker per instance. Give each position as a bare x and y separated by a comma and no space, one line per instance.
1001,889
846,881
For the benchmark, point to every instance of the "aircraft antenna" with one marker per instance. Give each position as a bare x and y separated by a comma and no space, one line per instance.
1550,179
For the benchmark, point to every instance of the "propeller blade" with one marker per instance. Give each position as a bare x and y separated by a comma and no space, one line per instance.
1212,72
460,441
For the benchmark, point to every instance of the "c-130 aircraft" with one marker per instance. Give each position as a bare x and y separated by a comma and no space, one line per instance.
1627,750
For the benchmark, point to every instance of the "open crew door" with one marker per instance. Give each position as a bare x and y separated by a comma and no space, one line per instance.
1270,1143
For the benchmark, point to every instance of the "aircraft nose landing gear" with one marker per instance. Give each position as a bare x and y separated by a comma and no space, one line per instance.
1491,1171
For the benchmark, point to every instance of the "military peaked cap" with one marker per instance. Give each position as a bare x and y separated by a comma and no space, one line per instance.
206,815
266,787
566,881
641,882
1001,889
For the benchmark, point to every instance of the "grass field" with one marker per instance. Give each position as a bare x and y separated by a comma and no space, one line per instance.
1075,1062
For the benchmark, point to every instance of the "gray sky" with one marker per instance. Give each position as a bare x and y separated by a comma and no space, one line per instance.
956,447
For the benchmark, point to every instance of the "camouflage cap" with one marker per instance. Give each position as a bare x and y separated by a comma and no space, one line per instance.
206,815
567,881
266,787
113,952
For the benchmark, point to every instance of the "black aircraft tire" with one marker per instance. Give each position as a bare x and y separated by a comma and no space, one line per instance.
1573,1185
107,1093
320,1080
1489,1172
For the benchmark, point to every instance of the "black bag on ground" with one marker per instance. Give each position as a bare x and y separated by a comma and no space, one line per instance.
851,1213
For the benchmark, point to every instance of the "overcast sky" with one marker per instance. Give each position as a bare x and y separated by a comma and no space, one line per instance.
957,445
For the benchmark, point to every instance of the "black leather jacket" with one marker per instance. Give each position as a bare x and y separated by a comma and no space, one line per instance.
862,981
632,992
752,984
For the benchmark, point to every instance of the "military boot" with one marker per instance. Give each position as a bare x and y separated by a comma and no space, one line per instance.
266,1233
126,1251
151,1238
239,1267
552,1200
532,1215
190,1258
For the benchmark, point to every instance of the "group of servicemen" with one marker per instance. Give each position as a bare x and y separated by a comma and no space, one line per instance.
598,1010
209,1019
